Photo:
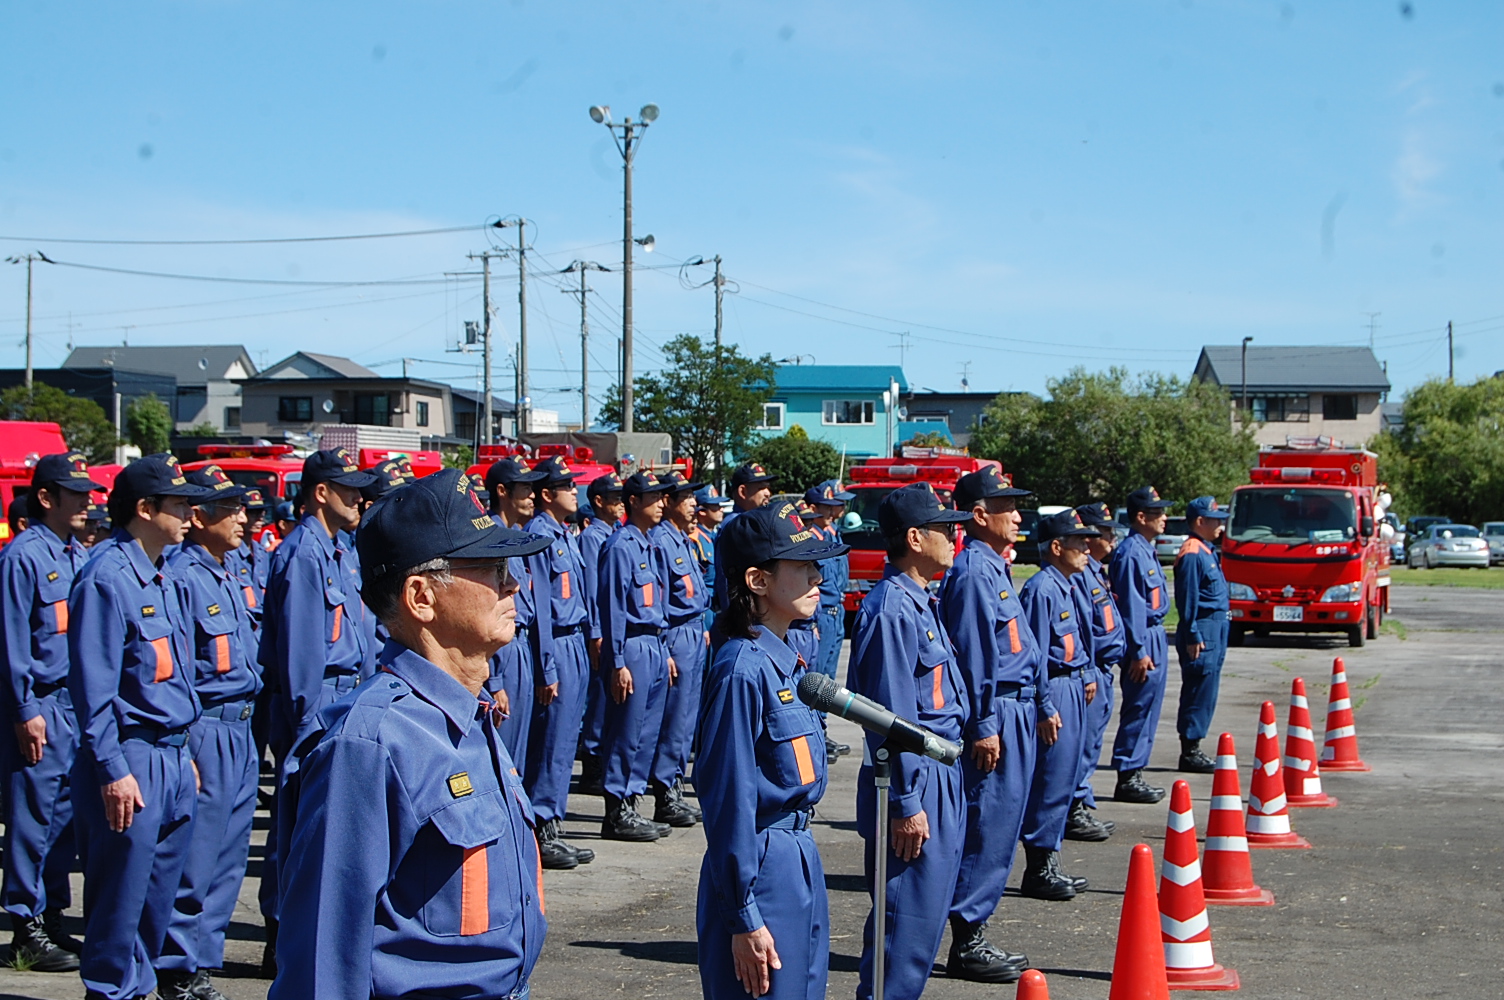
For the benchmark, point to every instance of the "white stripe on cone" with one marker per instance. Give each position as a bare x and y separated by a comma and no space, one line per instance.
1300,732
1181,874
1181,822
1297,764
1188,955
1227,844
1227,802
1268,824
1312,786
1227,761
1183,930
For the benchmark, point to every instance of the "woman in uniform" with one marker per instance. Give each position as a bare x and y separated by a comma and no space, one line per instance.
764,926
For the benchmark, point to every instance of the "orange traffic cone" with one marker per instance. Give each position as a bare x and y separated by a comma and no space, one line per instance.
1033,986
1227,870
1268,822
1302,773
1138,970
1183,922
1341,750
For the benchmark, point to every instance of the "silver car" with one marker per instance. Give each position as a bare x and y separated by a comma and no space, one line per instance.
1493,534
1449,545
1167,546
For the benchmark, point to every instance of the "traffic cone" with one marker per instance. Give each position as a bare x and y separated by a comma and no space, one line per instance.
1302,773
1268,822
1183,922
1033,986
1227,870
1341,750
1138,970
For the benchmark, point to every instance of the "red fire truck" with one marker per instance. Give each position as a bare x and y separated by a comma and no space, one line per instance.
22,444
1303,552
270,468
876,478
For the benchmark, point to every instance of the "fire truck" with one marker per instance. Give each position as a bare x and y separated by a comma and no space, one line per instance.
1303,551
581,460
876,478
270,468
22,444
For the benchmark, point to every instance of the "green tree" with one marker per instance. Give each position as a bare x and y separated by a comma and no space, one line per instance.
1449,457
461,457
709,404
928,439
1101,435
85,426
796,462
148,424
202,430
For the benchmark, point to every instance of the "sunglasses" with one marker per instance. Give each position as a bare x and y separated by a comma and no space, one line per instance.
503,571
945,528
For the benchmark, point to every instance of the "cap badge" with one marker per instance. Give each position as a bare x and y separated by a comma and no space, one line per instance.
459,784
475,499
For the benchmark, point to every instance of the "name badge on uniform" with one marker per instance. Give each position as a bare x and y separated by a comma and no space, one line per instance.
213,609
459,784
678,559
1095,591
1153,571
1003,594
148,611
642,565
930,634
1064,615
786,696
52,577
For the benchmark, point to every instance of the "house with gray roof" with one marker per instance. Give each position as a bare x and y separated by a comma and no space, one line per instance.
207,376
1300,391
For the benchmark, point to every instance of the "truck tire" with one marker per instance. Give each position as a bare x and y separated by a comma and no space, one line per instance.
1371,626
1355,637
1235,634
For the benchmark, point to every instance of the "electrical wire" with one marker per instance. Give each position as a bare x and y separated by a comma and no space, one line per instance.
209,243
250,281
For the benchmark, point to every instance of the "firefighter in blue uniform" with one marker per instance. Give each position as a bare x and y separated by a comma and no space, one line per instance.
317,638
606,512
129,653
36,571
564,675
828,501
710,511
1059,615
412,868
686,642
1138,588
901,658
763,917
226,677
1002,678
1201,635
1107,644
513,684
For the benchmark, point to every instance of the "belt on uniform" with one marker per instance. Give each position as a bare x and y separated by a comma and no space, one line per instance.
795,820
230,710
635,630
1216,614
1066,671
1019,692
683,620
155,735
44,689
563,630
337,674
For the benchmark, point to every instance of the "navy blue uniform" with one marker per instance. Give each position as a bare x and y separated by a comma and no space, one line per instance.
515,667
831,617
901,658
1138,588
555,732
227,679
1060,618
633,612
760,772
130,652
1108,640
687,642
592,540
36,572
411,868
1003,682
1201,600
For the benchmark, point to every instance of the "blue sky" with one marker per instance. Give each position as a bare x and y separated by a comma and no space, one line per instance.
1021,186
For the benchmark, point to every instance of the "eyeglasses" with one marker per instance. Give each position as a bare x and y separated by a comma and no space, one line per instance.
503,571
945,528
226,508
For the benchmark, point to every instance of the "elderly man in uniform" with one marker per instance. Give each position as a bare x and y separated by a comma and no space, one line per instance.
36,571
412,868
1201,635
606,512
1107,644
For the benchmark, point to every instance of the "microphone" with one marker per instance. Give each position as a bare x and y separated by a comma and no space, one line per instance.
825,695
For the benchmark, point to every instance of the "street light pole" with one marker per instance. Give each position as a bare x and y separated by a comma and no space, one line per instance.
1243,421
28,259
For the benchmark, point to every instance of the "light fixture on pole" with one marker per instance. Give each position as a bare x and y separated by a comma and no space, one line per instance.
627,135
1244,421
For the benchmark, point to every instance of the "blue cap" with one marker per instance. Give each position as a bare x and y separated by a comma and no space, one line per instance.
750,473
1098,515
1066,524
990,481
438,516
828,492
774,532
509,471
157,476
255,500
213,478
914,506
333,465
676,483
96,512
1205,507
642,483
1146,498
601,485
285,511
556,473
69,471
389,475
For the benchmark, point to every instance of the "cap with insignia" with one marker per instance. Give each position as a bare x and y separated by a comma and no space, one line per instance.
1146,498
214,478
69,471
601,485
334,465
914,506
157,476
1066,524
1097,515
990,481
746,475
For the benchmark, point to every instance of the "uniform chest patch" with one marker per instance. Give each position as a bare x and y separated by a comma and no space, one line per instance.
678,559
213,609
930,634
459,784
1095,591
642,565
52,577
1065,615
1003,594
786,696
1153,572
148,611
558,552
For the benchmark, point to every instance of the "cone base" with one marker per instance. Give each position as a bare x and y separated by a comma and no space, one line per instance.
1213,977
1254,896
1287,841
1343,765
1322,801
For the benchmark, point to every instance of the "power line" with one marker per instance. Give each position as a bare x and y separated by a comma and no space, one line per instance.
251,281
208,243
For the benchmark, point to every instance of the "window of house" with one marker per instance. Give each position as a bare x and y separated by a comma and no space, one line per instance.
1279,409
772,416
847,411
295,409
422,414
232,418
1339,407
373,408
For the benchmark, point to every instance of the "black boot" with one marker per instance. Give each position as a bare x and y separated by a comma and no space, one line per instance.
671,808
53,921
553,853
623,823
1082,825
175,984
1133,788
1042,878
203,988
975,959
592,776
1077,882
31,945
834,751
1193,761
269,953
583,855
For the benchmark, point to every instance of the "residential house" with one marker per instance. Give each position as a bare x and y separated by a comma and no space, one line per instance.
853,407
467,411
207,375
114,389
955,413
1300,391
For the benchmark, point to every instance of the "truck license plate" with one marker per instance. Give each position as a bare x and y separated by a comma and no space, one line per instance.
1289,614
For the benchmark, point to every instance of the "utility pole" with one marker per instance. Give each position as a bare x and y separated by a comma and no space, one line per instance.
1372,325
1243,422
720,287
485,302
524,401
1451,370
582,266
28,259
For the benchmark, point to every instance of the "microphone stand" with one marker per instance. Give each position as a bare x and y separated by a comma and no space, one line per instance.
881,780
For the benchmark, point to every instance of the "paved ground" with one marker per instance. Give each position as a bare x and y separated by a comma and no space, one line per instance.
1400,898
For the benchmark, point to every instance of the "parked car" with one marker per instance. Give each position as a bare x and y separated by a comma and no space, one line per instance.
1416,526
1167,546
1449,545
1397,543
1493,534
1027,548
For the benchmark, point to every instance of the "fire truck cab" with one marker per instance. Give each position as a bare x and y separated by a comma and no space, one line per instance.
1303,551
270,468
22,445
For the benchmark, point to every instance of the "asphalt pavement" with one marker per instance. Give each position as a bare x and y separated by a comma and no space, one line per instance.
1400,897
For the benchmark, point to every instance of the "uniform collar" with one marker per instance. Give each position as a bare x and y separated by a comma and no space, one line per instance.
544,524
196,552
316,529
55,545
632,529
981,550
135,555
908,584
1056,577
431,684
783,656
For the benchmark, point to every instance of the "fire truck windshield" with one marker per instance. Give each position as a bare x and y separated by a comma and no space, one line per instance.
859,523
1286,516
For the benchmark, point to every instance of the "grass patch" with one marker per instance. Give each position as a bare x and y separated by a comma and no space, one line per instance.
1370,682
1394,627
19,962
1448,576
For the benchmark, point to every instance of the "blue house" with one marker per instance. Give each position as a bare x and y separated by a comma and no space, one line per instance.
853,407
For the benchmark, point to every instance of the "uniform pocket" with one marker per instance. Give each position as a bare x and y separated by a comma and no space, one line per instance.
930,673
214,640
1065,637
470,869
646,582
334,599
793,729
156,635
54,594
